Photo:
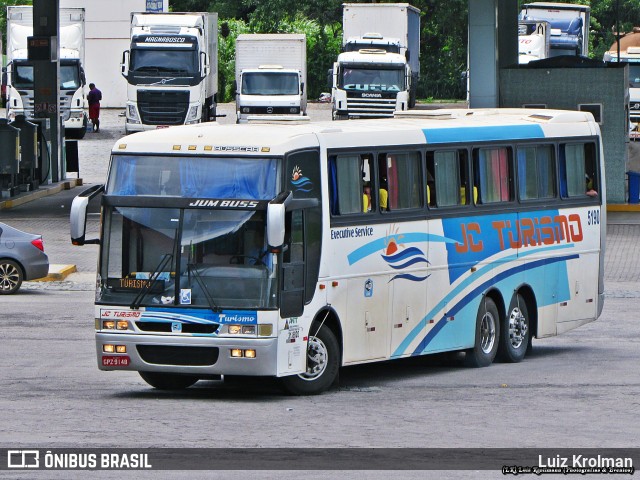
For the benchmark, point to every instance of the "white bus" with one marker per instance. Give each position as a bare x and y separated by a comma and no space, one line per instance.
293,250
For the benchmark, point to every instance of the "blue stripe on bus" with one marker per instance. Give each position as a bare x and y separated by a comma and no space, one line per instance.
478,291
482,134
418,328
379,245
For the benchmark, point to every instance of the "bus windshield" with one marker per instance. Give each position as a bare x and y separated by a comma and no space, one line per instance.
194,177
198,258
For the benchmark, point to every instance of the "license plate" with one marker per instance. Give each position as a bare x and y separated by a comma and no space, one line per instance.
162,126
115,361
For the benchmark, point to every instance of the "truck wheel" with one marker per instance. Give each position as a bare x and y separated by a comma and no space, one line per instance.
322,365
10,277
168,381
514,335
487,335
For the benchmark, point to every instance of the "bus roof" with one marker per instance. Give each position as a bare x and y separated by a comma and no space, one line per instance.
414,127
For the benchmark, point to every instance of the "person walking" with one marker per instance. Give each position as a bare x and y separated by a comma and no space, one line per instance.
93,98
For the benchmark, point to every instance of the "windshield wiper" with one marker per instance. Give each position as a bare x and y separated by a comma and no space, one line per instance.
191,268
153,279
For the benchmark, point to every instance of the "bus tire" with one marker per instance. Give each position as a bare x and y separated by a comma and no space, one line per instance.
168,381
487,336
515,332
322,365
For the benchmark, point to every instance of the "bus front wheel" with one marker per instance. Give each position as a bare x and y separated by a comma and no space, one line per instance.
515,335
487,335
168,381
322,364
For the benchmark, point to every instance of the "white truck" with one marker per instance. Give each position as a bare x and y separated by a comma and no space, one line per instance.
271,72
19,71
533,40
377,73
630,53
171,70
568,22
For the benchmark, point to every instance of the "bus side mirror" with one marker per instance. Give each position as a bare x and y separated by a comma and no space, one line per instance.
78,216
275,219
275,224
330,78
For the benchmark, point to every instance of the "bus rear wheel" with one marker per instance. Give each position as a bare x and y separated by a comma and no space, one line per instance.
168,381
515,335
322,365
487,334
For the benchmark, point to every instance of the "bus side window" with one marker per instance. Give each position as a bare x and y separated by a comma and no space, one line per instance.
536,172
449,170
578,170
369,203
403,175
492,175
350,184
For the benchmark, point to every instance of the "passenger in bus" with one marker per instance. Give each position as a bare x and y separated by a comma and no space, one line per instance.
366,198
384,195
591,192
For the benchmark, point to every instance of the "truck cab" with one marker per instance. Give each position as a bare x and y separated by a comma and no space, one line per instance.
629,53
269,90
369,83
19,75
170,69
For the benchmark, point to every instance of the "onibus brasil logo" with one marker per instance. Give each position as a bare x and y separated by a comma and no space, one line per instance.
398,256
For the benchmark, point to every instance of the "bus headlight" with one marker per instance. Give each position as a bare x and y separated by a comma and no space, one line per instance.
241,329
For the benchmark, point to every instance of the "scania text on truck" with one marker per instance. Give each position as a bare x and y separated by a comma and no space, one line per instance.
569,24
171,70
19,71
630,53
378,71
271,73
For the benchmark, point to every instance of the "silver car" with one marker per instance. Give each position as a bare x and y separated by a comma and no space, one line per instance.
22,257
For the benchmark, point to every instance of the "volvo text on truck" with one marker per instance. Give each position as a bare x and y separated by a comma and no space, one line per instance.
271,73
171,70
377,72
18,74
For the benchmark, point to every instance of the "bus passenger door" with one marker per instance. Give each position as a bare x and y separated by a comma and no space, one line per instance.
366,331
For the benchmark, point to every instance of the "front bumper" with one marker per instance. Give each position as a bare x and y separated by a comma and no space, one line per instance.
159,353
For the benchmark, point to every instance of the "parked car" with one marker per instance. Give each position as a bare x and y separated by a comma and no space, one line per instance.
22,257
